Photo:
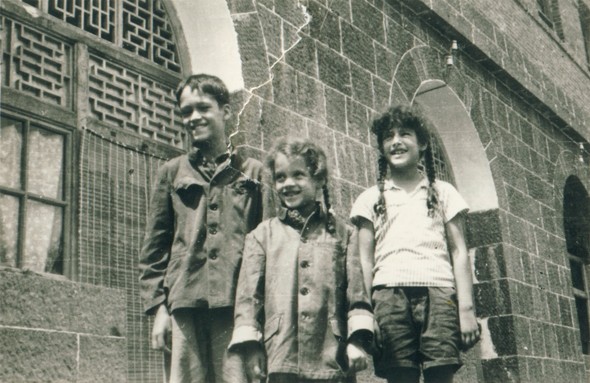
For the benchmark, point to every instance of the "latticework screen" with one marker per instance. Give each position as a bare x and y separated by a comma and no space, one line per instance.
35,63
115,183
122,97
144,25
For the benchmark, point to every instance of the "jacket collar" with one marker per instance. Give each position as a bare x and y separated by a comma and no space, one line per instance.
227,164
317,215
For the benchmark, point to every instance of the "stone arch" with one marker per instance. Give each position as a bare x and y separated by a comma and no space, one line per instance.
461,142
207,39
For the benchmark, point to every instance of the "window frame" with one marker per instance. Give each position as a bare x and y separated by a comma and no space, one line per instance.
584,15
577,230
67,203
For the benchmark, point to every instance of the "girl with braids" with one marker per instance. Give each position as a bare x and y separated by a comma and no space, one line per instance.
414,256
302,313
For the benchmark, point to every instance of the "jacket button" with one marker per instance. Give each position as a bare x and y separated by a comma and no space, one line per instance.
304,291
304,264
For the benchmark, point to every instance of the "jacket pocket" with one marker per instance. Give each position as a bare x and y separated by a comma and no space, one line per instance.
271,327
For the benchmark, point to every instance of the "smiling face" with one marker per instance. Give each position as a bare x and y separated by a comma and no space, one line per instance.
402,148
294,184
203,118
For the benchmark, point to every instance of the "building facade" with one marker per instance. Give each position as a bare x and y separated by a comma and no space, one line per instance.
88,115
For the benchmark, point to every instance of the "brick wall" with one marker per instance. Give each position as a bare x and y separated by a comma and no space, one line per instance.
526,93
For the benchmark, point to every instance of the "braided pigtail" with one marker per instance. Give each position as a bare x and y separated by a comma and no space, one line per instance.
330,227
432,198
379,206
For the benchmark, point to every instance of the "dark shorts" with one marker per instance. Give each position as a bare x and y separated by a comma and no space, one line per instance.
419,328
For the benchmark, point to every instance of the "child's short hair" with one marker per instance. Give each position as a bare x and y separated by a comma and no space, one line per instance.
409,117
315,160
207,84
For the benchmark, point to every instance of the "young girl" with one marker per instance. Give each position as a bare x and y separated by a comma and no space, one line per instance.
413,252
302,313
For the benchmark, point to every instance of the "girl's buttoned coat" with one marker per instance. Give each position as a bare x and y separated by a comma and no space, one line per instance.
302,295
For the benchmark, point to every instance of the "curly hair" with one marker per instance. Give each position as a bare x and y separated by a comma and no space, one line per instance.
315,160
409,117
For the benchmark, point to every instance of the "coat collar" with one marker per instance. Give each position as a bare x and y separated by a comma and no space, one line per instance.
228,164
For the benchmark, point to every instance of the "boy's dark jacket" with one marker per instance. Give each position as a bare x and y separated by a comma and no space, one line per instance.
195,231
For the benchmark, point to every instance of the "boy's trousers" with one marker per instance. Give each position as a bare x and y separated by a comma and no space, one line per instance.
199,347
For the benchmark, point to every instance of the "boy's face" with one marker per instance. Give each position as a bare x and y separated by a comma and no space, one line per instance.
402,148
294,184
203,118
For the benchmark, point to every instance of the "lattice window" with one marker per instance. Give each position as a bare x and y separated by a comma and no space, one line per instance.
443,171
139,26
35,63
125,98
96,17
34,198
147,32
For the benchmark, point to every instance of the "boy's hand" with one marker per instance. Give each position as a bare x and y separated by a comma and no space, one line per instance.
470,329
357,357
162,329
255,361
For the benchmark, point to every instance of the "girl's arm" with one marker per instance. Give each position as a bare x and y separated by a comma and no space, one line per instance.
366,250
462,271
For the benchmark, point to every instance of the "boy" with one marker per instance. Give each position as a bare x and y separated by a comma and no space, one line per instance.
203,204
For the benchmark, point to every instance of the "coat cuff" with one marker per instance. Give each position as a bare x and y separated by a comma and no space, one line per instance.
244,334
359,319
150,307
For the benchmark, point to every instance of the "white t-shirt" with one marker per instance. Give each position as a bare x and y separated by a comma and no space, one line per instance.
410,247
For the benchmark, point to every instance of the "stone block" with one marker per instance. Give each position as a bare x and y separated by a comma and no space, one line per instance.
36,301
380,94
325,26
357,121
362,89
302,56
489,263
278,122
334,70
483,228
310,98
493,298
292,11
347,150
102,359
501,370
284,85
272,30
368,19
503,334
335,110
358,47
252,49
37,356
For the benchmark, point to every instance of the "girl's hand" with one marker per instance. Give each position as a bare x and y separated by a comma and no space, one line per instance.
470,329
357,357
255,361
